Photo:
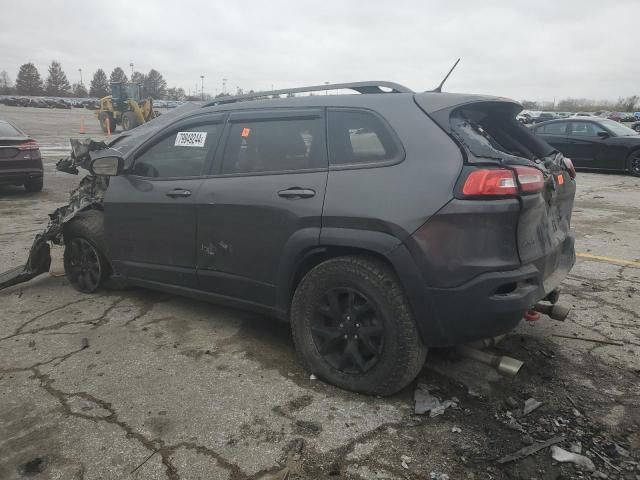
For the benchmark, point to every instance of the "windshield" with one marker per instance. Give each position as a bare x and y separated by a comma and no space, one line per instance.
618,129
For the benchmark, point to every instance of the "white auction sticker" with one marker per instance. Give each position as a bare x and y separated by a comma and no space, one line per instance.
190,139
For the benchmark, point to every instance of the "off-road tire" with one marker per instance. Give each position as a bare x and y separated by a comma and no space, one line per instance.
633,163
89,226
403,354
105,117
34,185
129,121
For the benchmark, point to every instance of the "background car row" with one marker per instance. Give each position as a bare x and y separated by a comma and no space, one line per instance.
531,117
67,103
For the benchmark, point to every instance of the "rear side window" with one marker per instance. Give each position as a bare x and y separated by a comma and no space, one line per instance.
183,153
558,128
274,146
359,137
7,130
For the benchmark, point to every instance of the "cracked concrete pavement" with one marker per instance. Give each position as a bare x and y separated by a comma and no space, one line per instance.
140,384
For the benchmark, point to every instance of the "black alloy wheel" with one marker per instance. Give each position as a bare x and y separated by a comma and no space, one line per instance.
82,265
348,331
634,164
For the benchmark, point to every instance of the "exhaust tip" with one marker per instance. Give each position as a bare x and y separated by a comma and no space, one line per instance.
509,366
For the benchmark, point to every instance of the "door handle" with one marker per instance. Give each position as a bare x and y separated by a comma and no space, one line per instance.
297,192
179,193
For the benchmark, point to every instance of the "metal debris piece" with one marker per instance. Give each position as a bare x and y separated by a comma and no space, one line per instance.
580,461
526,451
438,476
530,405
425,402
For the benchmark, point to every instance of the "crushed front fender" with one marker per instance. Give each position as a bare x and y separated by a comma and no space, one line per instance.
88,194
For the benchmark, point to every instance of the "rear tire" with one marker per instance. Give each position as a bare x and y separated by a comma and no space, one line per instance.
634,164
353,327
85,263
34,185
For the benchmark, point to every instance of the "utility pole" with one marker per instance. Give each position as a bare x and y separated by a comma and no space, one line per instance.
202,91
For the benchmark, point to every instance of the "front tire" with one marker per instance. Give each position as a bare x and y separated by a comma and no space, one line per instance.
129,121
634,164
85,263
34,185
353,327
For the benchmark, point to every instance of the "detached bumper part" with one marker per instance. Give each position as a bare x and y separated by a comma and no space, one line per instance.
38,262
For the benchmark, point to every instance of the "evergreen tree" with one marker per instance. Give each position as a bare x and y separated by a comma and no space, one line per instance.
99,85
57,84
154,85
28,81
118,75
79,90
6,87
138,78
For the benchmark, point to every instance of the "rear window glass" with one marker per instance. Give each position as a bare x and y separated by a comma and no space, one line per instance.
7,130
357,137
552,129
274,146
490,130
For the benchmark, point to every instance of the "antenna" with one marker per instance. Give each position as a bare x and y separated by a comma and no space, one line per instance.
438,89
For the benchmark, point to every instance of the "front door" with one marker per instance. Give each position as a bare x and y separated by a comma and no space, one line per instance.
587,149
150,210
263,203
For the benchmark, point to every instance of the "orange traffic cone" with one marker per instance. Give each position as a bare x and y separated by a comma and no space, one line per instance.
82,130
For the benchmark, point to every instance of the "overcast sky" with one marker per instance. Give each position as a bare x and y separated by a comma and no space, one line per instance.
526,50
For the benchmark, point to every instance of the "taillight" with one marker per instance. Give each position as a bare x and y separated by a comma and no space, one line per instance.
28,145
493,182
569,164
500,182
530,179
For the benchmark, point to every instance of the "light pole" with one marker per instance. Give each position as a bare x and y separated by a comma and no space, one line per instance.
326,92
80,70
224,85
202,91
131,65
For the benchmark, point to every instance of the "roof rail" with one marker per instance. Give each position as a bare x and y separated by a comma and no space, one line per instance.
360,87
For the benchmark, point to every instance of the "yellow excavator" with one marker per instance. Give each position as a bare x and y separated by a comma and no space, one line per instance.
124,107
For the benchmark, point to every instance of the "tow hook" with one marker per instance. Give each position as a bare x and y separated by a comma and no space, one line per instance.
555,310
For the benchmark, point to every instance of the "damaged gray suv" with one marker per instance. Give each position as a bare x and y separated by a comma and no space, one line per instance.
378,224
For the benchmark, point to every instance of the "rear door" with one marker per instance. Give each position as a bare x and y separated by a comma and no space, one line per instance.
263,203
150,211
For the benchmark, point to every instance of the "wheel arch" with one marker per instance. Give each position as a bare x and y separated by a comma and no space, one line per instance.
337,243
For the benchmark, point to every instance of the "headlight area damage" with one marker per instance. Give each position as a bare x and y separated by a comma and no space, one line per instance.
88,194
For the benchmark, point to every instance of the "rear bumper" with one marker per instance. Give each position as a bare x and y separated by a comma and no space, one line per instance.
19,176
490,304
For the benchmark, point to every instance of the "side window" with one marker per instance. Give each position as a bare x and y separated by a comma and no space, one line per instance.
183,153
585,129
557,128
357,137
274,146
